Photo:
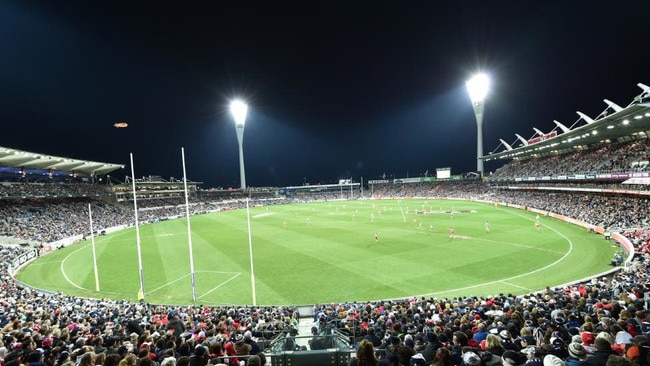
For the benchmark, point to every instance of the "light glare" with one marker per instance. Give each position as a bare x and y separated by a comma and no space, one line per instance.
239,109
477,87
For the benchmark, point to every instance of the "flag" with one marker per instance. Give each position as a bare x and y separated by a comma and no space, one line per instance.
140,295
383,176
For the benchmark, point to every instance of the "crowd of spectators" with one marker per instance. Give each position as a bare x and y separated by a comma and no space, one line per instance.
19,190
608,211
48,220
631,156
47,212
463,189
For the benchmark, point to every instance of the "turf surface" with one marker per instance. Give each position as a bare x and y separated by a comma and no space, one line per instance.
327,252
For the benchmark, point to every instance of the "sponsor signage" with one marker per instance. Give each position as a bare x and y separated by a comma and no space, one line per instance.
24,258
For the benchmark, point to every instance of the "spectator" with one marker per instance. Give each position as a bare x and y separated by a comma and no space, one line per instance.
552,360
510,358
254,346
254,360
365,355
534,356
602,353
371,337
577,355
493,345
442,358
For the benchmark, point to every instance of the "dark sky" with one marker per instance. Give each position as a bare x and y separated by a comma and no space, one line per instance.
335,89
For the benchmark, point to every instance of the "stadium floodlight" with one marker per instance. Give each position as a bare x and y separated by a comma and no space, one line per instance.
477,87
239,109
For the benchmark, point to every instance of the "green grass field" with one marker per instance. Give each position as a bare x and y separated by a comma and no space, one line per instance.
326,252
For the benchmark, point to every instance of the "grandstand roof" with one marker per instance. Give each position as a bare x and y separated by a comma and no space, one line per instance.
23,159
615,123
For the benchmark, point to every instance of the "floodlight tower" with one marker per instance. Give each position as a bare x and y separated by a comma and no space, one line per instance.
477,87
239,109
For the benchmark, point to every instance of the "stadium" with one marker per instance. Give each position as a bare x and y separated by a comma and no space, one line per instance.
551,245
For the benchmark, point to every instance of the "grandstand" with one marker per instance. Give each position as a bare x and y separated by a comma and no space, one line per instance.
592,174
18,165
346,189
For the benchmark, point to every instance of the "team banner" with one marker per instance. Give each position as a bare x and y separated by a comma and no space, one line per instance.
543,137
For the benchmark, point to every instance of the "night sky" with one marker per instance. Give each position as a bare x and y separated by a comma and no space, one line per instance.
335,89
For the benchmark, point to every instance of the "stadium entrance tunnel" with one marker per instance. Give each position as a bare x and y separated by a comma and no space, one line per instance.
322,357
331,349
286,342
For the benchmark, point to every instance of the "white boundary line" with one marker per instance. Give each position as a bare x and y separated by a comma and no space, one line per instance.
232,277
63,263
166,284
61,266
503,280
237,274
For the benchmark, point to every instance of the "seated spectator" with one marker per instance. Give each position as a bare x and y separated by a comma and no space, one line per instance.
577,355
442,358
534,356
601,354
552,360
370,336
511,358
365,355
254,360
